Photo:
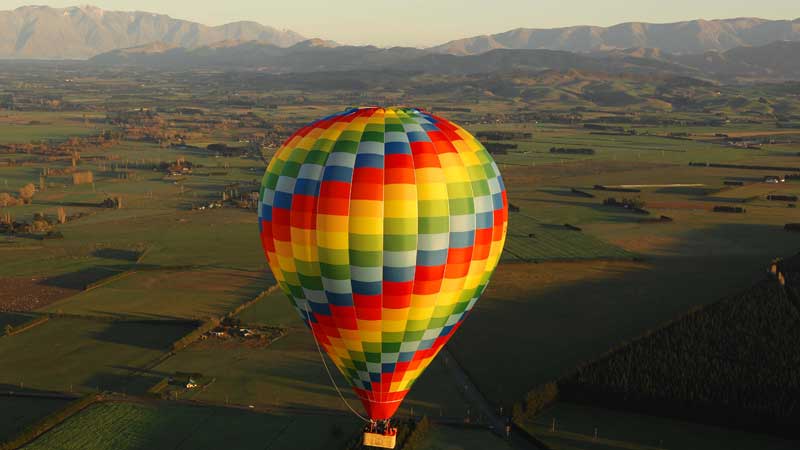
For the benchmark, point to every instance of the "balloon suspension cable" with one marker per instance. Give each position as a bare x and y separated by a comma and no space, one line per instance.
328,370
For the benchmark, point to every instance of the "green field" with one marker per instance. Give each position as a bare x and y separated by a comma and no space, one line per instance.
575,425
222,239
451,438
289,374
17,413
77,355
166,294
531,241
130,426
25,127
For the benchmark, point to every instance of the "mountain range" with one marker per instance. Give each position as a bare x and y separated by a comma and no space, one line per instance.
41,32
777,60
696,36
720,49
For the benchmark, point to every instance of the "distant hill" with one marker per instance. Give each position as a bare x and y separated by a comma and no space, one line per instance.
41,32
696,36
775,60
312,56
306,56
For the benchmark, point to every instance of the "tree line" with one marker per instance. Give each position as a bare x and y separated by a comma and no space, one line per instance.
734,363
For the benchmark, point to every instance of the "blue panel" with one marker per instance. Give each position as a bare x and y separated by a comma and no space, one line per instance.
484,220
431,257
398,274
321,309
304,186
266,212
338,173
429,127
426,344
406,357
369,160
397,148
497,201
339,299
418,136
367,287
462,239
282,200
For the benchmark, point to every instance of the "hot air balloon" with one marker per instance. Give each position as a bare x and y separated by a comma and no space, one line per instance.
383,227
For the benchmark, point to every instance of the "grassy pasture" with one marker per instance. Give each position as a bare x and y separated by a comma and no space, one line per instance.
288,373
449,438
274,310
82,355
16,413
132,426
216,239
166,294
532,241
575,426
25,127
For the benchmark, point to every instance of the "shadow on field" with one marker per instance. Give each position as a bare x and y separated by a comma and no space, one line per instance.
614,213
722,199
81,278
751,179
70,204
557,316
117,253
22,391
687,190
153,335
561,192
108,381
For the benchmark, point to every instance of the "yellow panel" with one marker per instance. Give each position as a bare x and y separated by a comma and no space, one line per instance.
366,208
332,240
366,225
400,208
328,222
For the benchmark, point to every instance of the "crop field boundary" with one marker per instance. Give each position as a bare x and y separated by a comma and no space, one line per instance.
253,301
27,325
32,432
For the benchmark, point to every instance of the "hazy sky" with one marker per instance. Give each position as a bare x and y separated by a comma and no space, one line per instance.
430,22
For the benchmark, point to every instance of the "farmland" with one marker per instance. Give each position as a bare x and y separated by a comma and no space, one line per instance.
757,329
148,251
78,355
135,426
575,426
16,413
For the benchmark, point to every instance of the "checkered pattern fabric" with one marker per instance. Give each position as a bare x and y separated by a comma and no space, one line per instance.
383,226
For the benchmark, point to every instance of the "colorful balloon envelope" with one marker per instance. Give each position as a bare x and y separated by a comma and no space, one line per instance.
383,227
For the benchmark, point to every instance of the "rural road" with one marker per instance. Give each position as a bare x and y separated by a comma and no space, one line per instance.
475,398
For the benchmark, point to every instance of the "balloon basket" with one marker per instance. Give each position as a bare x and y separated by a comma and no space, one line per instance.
380,440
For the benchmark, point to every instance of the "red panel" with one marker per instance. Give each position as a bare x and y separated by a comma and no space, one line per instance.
368,175
280,225
367,191
344,316
367,307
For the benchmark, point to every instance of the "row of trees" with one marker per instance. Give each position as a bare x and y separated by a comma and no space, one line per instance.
734,363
